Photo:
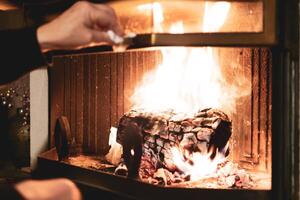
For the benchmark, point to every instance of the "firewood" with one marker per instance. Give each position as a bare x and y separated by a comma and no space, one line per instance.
207,131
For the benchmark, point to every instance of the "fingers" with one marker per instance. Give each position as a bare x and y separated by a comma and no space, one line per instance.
89,24
118,29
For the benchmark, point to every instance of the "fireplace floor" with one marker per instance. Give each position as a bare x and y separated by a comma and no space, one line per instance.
89,173
261,180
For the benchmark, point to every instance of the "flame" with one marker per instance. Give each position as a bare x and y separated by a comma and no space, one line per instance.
202,166
157,15
188,79
215,15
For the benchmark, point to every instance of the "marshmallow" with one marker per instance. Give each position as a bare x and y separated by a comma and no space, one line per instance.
114,37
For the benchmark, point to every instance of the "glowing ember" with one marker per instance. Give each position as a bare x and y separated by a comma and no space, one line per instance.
197,165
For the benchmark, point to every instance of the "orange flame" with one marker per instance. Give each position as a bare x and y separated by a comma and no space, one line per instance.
189,79
202,166
215,15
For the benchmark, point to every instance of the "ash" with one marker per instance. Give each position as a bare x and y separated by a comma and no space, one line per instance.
227,175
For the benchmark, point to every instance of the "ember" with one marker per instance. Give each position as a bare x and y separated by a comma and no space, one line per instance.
228,175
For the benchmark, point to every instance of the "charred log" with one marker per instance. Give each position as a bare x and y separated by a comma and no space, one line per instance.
207,131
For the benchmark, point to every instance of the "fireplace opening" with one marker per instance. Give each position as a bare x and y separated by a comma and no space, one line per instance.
171,116
201,122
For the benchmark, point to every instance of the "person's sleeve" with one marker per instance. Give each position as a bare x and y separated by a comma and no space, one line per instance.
9,192
19,53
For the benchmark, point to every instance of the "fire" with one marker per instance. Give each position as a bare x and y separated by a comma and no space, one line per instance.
157,15
187,80
215,15
197,165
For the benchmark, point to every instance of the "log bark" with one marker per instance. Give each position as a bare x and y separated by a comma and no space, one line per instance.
207,131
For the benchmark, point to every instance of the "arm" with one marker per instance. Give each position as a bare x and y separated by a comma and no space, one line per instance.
82,25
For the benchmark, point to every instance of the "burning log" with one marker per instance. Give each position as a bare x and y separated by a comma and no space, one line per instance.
207,131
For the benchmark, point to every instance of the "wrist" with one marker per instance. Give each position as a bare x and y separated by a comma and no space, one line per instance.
44,39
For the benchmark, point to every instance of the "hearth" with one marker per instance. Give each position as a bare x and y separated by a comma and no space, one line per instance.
200,102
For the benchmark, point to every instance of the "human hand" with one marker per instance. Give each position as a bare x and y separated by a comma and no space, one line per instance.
55,189
84,24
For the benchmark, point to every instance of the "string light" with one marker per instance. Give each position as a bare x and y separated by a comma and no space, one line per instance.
17,102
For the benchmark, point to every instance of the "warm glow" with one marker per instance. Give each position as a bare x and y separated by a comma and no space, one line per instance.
215,15
202,166
188,79
157,15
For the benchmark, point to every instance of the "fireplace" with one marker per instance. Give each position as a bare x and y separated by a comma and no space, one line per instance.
193,107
